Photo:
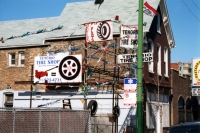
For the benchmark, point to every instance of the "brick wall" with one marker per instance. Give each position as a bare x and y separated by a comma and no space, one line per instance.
180,88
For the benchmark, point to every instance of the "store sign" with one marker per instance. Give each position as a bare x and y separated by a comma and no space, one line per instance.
130,86
148,57
131,58
59,68
129,36
99,31
196,72
127,58
195,91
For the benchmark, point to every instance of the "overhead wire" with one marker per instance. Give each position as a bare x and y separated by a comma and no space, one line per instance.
195,4
190,11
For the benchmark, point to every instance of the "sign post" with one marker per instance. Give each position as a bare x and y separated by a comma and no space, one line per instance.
139,111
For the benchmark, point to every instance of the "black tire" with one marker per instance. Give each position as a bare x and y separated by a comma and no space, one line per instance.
103,30
92,105
69,74
116,111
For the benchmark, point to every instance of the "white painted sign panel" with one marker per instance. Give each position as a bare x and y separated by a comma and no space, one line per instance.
59,68
131,58
127,58
99,31
129,35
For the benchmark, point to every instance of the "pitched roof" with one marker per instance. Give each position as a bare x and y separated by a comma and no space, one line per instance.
72,18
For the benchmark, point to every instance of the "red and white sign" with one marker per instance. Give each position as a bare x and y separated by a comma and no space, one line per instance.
130,99
60,68
130,86
99,31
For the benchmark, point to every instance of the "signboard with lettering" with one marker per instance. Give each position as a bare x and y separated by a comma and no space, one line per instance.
59,68
99,31
196,72
131,58
130,86
195,91
129,36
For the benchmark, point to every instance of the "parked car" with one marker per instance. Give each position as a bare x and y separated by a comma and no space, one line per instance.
188,127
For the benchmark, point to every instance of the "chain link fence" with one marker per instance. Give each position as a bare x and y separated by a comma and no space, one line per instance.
44,121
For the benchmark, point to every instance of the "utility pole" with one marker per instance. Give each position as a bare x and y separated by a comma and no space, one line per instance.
31,87
139,112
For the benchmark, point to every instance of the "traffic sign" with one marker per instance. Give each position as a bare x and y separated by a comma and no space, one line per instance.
130,89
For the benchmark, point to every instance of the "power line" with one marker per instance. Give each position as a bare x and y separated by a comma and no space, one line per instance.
191,11
195,4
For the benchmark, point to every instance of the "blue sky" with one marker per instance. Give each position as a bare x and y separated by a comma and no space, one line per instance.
184,18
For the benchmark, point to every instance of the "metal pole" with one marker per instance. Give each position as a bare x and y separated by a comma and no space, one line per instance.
113,86
31,86
139,112
85,80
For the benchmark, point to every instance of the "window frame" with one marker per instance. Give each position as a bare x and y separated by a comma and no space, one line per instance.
159,59
166,60
8,99
20,55
150,64
10,59
158,23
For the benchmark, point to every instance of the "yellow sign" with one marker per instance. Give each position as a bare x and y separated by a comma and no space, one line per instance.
196,72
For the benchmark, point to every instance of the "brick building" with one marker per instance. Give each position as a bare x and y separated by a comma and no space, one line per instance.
181,102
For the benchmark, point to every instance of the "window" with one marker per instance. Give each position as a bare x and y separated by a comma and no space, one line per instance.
152,97
21,58
8,100
158,23
164,98
12,59
159,59
150,49
166,61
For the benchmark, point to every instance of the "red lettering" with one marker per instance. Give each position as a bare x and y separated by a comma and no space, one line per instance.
92,34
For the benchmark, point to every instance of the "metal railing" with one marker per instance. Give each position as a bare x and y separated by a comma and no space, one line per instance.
125,124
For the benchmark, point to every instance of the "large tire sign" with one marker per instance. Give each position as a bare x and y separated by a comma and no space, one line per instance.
69,68
60,68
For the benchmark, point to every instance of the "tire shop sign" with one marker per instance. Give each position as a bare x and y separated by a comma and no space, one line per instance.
60,68
129,35
99,31
130,86
131,58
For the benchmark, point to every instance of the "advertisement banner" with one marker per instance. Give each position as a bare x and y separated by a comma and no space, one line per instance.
129,36
99,31
59,68
196,72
